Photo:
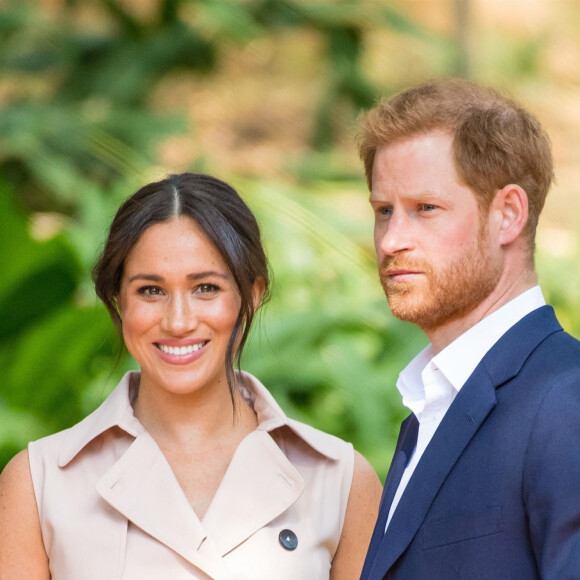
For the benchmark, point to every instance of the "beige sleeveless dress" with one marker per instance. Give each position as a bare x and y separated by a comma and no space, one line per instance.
111,509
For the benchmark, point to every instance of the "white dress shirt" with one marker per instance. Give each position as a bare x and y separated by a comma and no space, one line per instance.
429,384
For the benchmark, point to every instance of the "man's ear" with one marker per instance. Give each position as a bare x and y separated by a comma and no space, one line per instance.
257,292
510,208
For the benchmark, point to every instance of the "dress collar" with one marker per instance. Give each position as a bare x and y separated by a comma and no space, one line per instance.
117,411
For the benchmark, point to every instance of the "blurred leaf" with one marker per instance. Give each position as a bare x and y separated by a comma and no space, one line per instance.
35,296
231,20
76,338
44,276
122,70
17,428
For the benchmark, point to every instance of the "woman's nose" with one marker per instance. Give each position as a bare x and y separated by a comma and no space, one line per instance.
180,316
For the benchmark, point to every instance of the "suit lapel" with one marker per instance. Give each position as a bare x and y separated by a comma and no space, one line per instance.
467,413
405,445
464,418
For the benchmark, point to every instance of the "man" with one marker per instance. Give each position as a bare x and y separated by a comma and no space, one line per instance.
485,481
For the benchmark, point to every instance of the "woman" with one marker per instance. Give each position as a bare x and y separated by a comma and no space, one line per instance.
189,469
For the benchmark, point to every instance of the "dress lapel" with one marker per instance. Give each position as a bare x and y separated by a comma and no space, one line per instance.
260,483
142,487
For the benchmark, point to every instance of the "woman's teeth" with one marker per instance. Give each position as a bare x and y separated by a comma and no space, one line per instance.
181,349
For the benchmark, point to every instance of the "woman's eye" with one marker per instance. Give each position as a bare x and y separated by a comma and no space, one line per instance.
150,291
207,289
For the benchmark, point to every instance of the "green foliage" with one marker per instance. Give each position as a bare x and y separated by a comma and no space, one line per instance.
559,276
80,130
50,346
78,106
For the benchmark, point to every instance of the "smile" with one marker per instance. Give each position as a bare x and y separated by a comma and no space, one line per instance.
181,350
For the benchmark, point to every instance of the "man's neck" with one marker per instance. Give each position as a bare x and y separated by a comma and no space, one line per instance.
504,292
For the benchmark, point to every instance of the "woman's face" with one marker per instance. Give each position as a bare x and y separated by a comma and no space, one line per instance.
178,305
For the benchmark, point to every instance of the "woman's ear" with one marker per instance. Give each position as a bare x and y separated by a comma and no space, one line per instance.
510,205
258,292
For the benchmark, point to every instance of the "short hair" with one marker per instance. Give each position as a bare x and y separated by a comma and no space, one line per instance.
224,218
495,141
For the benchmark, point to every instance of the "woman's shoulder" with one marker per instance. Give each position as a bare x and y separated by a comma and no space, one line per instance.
16,471
16,482
21,546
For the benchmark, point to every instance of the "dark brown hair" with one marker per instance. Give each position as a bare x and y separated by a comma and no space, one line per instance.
224,218
495,141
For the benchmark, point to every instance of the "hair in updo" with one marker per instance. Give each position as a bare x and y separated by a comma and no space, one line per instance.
221,214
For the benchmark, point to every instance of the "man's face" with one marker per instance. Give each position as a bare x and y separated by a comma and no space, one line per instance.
436,259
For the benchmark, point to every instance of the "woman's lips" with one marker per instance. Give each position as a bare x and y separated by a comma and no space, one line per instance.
180,353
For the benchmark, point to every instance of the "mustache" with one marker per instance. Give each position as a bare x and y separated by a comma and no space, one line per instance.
400,263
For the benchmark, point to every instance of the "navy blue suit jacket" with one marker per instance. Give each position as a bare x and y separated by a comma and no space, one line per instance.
496,495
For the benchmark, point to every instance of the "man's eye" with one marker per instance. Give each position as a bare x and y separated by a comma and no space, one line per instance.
386,210
427,207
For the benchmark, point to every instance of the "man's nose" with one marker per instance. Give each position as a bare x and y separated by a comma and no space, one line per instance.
396,236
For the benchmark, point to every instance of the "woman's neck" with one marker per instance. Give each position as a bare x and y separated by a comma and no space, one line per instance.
193,419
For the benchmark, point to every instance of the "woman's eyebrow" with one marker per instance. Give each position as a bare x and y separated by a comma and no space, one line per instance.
195,276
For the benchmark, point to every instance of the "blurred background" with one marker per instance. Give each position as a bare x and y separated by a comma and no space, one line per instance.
98,97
